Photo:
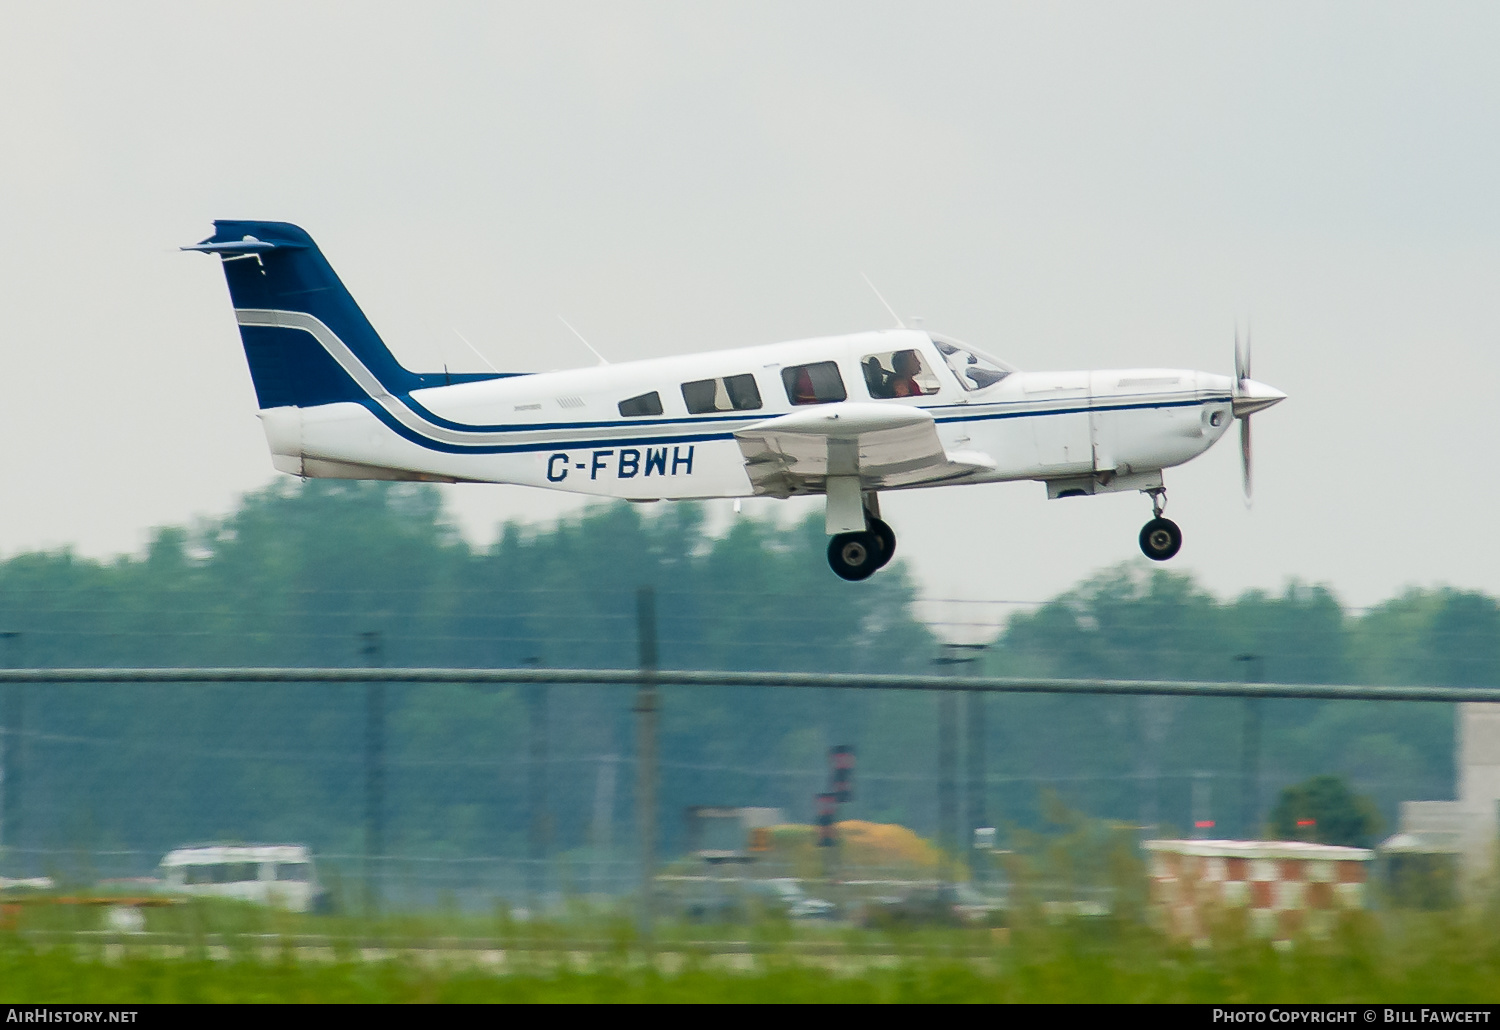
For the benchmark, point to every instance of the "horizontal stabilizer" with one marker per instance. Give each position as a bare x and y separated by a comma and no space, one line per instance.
248,245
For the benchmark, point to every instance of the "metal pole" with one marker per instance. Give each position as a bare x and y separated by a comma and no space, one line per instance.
974,716
1250,775
371,649
1202,805
1250,752
715,678
947,785
953,660
645,708
536,782
11,745
1153,715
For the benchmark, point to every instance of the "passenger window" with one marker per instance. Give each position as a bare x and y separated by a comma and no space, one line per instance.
645,404
240,872
899,373
819,383
728,393
296,871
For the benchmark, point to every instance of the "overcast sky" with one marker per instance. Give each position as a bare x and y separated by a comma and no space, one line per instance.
1067,185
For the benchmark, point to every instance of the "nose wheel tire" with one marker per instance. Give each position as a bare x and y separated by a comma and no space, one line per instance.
887,537
855,556
1160,539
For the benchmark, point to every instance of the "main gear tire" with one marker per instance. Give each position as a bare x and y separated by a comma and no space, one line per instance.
854,556
887,537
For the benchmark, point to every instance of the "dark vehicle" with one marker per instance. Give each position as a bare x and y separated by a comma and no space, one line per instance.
933,905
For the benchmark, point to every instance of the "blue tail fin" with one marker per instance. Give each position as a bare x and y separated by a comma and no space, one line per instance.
285,296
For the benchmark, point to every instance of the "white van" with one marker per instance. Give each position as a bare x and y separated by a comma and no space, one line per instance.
269,874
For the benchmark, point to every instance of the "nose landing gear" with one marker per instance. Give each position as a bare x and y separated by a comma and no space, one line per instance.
1160,538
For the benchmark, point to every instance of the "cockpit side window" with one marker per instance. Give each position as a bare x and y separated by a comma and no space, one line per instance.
728,393
818,383
975,369
645,404
900,373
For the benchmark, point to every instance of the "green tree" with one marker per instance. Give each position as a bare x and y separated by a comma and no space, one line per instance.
1324,809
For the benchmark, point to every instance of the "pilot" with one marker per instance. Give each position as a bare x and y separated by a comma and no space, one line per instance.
803,392
907,365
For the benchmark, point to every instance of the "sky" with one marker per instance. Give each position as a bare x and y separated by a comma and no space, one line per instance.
1067,185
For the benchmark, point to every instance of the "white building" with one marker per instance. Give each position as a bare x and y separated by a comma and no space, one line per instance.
1469,826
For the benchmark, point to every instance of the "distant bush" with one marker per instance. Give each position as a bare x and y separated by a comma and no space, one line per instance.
1324,809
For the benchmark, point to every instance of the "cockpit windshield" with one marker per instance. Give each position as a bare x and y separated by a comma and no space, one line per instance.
974,369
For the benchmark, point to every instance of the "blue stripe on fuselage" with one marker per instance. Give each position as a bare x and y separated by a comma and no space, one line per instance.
457,448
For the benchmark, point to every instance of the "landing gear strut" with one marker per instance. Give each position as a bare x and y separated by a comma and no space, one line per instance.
1160,538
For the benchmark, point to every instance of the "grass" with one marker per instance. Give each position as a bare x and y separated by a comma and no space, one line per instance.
230,953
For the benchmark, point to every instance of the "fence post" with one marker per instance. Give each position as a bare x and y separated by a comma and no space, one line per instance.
645,708
12,743
974,717
372,651
1250,750
536,781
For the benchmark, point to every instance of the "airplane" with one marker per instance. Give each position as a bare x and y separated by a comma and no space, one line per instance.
845,417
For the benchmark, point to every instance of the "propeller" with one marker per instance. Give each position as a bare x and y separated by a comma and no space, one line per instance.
1241,378
1248,397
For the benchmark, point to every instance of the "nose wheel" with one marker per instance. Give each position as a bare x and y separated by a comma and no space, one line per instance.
856,556
1160,538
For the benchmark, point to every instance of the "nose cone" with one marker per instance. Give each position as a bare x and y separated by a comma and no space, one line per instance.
1250,397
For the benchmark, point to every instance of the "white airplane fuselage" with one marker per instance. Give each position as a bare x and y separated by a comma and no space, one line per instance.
1087,431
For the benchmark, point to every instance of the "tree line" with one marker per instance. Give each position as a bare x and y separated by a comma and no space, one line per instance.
300,573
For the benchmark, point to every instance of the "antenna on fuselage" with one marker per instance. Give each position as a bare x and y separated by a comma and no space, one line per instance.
473,348
581,340
899,324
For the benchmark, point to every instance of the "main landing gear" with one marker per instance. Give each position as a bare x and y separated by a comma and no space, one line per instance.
856,556
1160,538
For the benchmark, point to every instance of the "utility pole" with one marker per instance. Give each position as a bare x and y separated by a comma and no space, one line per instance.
1250,749
372,651
957,656
11,751
1155,715
1202,805
536,783
645,784
974,719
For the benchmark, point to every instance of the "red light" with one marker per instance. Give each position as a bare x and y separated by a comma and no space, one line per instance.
1204,824
1307,822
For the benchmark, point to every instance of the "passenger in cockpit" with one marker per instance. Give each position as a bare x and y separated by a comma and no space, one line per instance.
907,365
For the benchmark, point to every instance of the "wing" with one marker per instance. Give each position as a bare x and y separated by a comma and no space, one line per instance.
884,445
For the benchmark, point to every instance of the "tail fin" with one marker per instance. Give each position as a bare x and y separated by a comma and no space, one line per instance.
306,340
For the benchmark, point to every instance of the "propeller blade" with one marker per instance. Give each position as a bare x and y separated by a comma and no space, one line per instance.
1240,371
1245,455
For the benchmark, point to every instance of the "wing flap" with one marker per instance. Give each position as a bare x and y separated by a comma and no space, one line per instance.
883,445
